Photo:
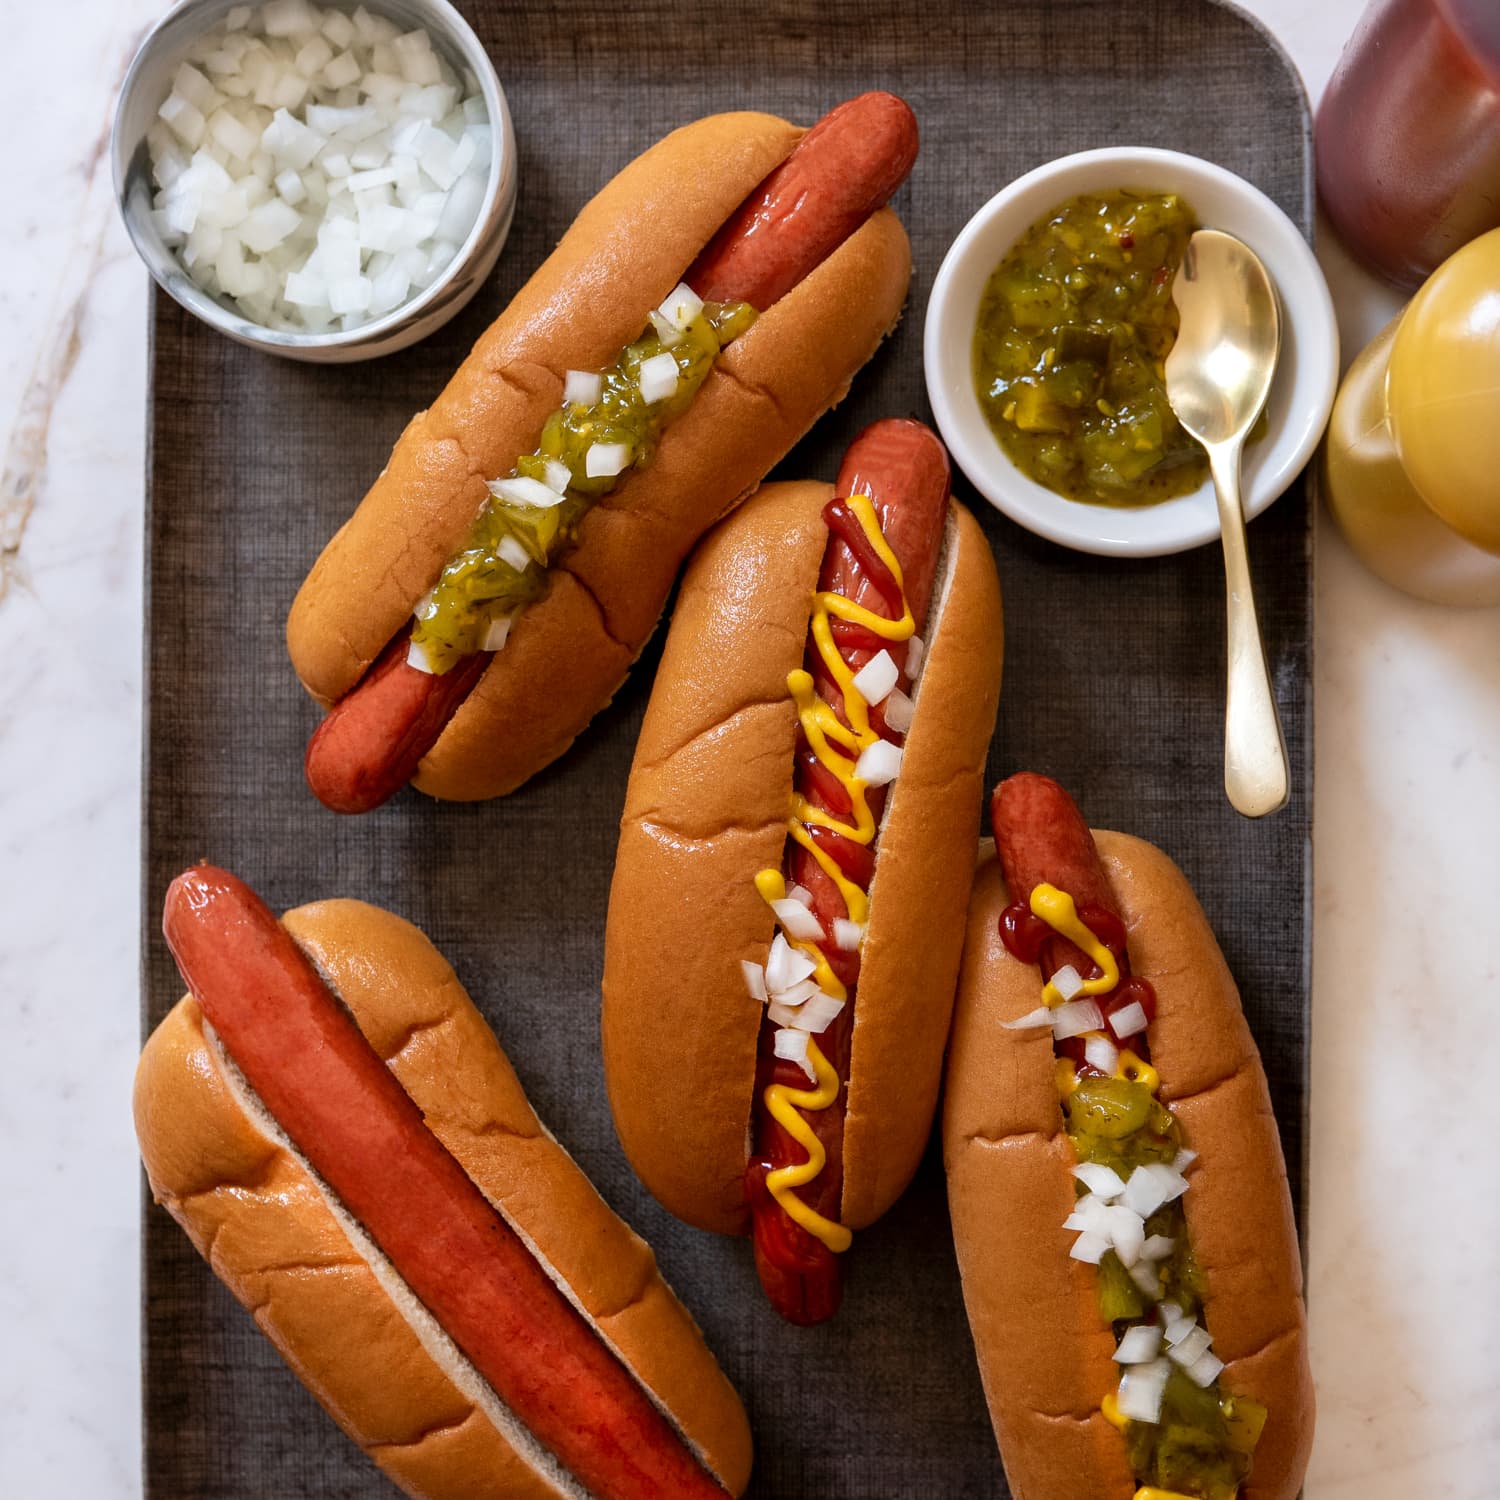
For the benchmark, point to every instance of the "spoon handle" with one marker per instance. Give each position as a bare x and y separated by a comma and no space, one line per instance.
1255,767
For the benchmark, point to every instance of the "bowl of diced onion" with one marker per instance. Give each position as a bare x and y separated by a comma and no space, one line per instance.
328,182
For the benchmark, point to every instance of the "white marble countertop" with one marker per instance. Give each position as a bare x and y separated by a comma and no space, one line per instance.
1405,1222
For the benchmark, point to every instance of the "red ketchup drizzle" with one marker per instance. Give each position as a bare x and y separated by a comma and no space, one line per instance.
1025,935
784,1250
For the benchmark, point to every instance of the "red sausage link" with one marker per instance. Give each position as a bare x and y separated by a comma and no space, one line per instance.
904,469
312,1067
845,168
397,712
1041,837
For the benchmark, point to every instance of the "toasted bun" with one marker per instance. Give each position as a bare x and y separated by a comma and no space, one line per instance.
333,1306
1045,1354
626,250
706,809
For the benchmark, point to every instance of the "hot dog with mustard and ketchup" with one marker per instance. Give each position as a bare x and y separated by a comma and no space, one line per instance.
1115,1177
787,909
490,593
335,1126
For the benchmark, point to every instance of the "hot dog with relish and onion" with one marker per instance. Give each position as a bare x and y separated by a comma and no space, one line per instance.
1115,1177
337,1129
787,972
432,624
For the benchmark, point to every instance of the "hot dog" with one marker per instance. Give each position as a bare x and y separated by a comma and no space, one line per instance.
802,272
1119,1198
756,705
328,1100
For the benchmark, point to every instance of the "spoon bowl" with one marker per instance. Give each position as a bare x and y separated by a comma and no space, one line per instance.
1218,377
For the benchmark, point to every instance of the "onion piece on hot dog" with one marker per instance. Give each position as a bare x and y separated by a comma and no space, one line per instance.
585,513
1119,1199
376,1131
796,1102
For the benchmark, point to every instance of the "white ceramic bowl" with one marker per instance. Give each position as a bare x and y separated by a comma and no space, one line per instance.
1301,397
147,83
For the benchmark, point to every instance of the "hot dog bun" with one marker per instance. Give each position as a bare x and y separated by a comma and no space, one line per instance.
1045,1353
706,808
373,1357
626,250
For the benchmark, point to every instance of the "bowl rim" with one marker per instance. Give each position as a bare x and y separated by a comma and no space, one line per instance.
1168,526
189,295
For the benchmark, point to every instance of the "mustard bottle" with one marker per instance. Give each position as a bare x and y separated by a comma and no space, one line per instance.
1412,461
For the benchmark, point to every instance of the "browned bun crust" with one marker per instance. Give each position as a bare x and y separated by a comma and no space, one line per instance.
1045,1354
626,250
706,809
257,1214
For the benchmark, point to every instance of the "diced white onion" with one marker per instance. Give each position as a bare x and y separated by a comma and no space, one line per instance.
1193,1345
1126,1233
915,651
605,460
1101,1054
802,894
792,1045
295,118
874,681
1176,1322
1041,1016
1205,1370
522,491
683,304
1089,1248
416,656
878,763
1141,1388
755,980
1158,1247
1183,1160
1090,1213
817,1014
1129,1020
496,633
657,378
795,994
1145,1191
1144,1274
1140,1345
899,711
583,388
798,921
665,329
1075,1018
557,476
786,965
1068,982
512,552
1101,1180
847,935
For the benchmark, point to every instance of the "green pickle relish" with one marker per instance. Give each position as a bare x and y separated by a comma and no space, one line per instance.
1074,327
1202,1444
503,564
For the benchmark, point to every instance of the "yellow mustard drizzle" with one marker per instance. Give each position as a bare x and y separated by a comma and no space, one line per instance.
1057,910
838,747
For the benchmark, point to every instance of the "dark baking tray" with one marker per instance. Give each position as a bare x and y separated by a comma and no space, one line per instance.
1113,682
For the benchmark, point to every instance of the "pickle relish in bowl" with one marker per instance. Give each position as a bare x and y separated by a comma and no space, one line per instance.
1072,331
1048,323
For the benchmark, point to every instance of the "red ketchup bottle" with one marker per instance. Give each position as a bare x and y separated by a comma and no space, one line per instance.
1408,134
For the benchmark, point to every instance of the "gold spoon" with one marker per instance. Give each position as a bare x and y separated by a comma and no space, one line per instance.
1218,376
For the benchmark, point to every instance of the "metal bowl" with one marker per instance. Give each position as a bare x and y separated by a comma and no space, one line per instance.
147,84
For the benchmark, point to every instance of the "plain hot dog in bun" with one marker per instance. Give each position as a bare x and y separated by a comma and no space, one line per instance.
1119,1199
705,308
777,989
335,1126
